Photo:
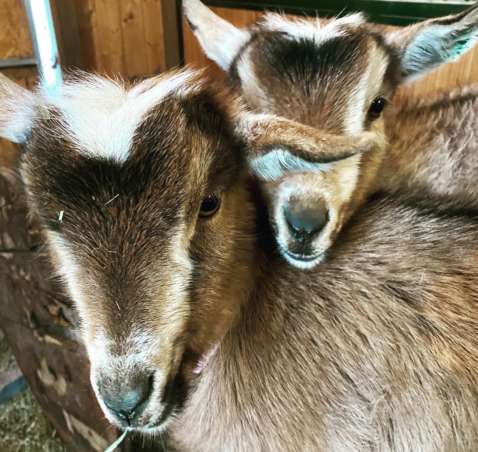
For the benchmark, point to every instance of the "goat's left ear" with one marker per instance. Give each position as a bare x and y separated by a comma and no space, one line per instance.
426,45
277,145
220,40
18,108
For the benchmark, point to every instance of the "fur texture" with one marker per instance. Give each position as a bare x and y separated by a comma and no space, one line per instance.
247,353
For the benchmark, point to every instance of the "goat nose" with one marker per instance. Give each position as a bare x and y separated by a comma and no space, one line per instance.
128,403
305,223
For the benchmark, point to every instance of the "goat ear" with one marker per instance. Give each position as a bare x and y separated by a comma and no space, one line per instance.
17,110
426,45
277,145
220,40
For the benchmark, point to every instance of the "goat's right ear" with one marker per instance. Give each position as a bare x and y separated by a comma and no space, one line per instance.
428,44
220,40
277,145
17,110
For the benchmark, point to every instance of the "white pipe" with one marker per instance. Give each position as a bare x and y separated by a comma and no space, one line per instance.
44,42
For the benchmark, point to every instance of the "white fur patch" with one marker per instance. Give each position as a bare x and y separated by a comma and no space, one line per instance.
135,351
311,29
102,115
250,84
279,162
365,92
68,269
17,110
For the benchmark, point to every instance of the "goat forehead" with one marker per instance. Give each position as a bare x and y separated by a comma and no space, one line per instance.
312,80
306,60
102,115
313,29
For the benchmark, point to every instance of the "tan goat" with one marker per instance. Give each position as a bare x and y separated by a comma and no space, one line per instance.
337,75
190,319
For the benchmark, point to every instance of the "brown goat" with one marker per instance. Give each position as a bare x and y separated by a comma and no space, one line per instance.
337,75
191,320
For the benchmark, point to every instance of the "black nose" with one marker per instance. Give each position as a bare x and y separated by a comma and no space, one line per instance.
306,223
128,401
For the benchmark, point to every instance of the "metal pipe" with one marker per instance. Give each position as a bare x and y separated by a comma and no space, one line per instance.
17,62
44,41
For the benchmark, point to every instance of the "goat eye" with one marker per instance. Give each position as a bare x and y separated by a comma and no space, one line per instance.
377,107
209,206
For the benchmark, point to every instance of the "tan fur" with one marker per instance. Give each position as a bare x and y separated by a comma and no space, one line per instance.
434,146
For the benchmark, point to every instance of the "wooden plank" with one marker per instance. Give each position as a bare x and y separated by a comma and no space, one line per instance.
15,39
134,42
109,38
171,29
154,36
65,17
87,25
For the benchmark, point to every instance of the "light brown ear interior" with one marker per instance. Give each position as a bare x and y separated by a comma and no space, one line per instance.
426,45
17,110
263,133
220,40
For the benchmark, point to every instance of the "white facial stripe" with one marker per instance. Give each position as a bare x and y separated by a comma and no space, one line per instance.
279,162
176,311
102,115
348,171
310,28
365,92
355,115
135,351
250,84
68,269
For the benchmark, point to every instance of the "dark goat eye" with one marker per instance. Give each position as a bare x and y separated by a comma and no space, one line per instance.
209,206
376,108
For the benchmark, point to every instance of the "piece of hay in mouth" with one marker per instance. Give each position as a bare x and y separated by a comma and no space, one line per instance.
118,441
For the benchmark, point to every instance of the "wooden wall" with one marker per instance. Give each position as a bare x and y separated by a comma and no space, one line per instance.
128,37
464,71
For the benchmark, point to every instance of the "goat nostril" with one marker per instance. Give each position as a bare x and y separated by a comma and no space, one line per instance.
126,405
304,224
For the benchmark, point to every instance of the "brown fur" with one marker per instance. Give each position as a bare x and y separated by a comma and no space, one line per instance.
363,354
375,360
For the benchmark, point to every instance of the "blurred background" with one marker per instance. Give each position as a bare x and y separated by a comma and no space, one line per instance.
46,403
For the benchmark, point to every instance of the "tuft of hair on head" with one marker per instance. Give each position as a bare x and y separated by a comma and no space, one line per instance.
98,114
311,29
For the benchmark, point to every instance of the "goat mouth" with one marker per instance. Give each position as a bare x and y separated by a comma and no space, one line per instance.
173,400
302,257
